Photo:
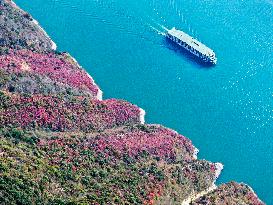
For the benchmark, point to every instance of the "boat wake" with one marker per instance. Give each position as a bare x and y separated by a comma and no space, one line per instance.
158,28
163,27
157,31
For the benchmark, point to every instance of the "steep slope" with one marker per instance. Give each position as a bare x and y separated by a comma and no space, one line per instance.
63,167
61,144
64,114
19,30
24,71
230,194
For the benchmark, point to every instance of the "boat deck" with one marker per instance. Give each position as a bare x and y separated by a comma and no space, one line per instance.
191,42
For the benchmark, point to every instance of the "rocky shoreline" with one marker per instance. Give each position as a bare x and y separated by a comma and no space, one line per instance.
61,143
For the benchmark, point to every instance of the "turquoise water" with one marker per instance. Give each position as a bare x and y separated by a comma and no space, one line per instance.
226,110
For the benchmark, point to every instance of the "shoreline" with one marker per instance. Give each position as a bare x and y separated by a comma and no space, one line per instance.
194,196
53,44
99,96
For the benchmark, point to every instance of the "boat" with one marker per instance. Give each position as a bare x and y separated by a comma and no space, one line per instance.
192,45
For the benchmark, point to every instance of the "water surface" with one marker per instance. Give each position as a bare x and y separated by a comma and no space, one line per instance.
226,110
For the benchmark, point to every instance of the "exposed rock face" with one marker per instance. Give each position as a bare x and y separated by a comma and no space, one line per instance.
61,144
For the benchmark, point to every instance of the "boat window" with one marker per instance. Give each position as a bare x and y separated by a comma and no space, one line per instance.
196,43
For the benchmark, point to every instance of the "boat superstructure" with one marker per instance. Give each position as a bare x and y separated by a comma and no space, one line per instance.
192,45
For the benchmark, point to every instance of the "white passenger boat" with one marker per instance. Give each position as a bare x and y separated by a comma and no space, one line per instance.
192,45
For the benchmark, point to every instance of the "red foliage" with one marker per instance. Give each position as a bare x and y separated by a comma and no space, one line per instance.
56,114
161,142
59,68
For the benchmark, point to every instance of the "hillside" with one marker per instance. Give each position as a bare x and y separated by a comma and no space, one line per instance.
60,143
